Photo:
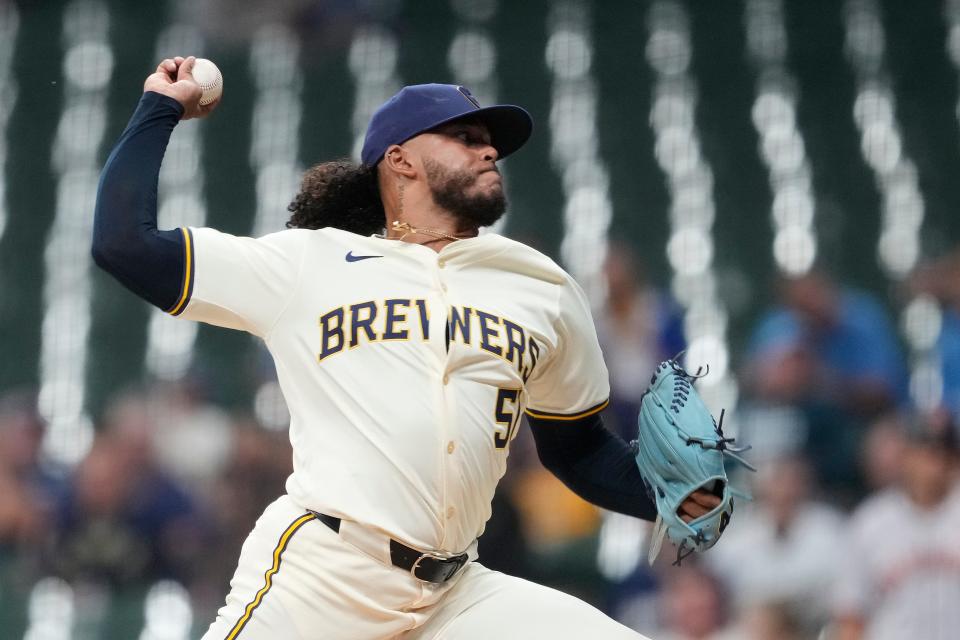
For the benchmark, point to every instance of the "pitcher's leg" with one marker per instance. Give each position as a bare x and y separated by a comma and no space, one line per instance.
486,604
298,580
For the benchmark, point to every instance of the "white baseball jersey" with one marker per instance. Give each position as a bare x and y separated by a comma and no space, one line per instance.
406,371
902,569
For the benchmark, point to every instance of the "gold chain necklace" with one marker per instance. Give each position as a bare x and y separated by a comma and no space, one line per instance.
408,229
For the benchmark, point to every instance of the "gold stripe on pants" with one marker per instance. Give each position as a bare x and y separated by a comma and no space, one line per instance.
268,576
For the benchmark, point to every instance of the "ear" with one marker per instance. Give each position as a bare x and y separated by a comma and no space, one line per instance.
398,160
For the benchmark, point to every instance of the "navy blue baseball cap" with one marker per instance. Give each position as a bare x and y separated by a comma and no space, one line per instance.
418,108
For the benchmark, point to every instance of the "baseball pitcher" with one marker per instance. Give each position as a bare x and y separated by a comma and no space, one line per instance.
408,348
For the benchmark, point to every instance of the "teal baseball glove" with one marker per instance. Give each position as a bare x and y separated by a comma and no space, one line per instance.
680,449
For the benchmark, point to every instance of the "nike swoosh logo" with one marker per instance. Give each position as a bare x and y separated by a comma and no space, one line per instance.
352,258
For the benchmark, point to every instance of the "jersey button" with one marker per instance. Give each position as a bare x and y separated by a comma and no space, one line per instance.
451,512
443,286
446,379
441,263
451,446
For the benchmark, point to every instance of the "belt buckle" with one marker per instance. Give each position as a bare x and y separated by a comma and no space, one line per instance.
441,558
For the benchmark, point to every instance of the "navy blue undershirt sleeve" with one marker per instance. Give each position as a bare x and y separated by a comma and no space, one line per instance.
126,241
594,463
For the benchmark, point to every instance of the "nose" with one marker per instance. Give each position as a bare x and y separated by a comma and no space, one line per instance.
490,153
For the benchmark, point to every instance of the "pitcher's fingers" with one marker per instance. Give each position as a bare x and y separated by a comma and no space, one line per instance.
185,71
168,66
691,509
705,499
688,514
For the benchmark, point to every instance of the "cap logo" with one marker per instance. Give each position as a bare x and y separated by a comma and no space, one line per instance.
469,96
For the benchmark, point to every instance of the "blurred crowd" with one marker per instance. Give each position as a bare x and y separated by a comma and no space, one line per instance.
852,532
168,491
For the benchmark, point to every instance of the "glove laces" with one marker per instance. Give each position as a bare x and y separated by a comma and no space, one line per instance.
722,443
681,393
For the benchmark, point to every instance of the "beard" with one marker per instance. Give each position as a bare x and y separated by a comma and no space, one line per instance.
449,189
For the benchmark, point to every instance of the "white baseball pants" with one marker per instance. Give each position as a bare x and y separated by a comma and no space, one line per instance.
299,580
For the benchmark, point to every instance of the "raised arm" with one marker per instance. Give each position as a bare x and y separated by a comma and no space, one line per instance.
126,242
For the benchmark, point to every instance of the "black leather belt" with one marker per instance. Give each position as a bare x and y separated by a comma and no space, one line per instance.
429,567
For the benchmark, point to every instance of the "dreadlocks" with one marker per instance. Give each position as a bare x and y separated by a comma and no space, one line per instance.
339,194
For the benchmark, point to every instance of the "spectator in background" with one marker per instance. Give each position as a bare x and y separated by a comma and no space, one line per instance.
830,356
858,363
941,279
27,490
948,347
694,606
24,487
781,550
901,572
637,328
122,521
773,621
883,452
185,421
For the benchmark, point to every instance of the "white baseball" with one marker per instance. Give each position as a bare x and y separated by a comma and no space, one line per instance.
208,77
